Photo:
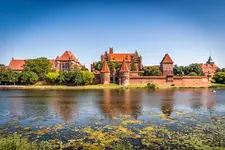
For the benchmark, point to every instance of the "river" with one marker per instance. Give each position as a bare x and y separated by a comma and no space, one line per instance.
87,108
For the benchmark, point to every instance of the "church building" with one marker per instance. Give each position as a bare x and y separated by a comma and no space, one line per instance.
209,68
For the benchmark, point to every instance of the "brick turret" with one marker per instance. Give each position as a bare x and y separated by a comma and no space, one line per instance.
124,74
105,73
166,66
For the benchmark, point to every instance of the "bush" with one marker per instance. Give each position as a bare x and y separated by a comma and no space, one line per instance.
219,77
151,86
151,71
192,74
87,77
52,76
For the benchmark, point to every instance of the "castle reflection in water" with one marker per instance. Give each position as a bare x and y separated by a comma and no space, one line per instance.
108,104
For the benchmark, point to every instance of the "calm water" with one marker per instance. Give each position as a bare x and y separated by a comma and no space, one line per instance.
35,108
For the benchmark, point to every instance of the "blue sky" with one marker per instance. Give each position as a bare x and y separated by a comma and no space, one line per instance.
186,29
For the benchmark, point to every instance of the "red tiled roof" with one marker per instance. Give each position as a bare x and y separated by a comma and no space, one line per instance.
105,67
209,65
121,57
67,55
16,64
167,59
124,67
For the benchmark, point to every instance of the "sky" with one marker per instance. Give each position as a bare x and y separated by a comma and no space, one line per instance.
185,29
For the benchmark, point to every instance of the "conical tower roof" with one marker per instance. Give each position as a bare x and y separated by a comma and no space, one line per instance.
124,67
167,59
105,67
210,61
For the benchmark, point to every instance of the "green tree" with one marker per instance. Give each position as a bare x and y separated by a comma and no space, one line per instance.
192,74
195,68
41,66
10,77
28,77
133,66
77,77
219,77
61,77
178,70
87,77
52,76
111,65
3,77
98,65
152,71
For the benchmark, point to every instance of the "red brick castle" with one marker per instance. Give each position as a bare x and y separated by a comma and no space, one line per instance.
63,63
125,76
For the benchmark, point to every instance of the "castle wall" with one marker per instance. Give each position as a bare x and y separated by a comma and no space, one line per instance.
197,81
158,80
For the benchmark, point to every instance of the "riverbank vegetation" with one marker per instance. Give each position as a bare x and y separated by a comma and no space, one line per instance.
219,77
40,69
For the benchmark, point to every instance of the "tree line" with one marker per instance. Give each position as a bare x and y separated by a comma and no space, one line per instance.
219,76
40,69
191,70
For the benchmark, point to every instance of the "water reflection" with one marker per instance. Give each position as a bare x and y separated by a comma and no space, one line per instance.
120,102
167,101
201,99
65,107
80,106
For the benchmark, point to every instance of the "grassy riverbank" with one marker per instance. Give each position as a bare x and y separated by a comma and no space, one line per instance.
217,85
98,86
64,87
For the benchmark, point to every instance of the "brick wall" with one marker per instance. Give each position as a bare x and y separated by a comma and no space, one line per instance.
199,81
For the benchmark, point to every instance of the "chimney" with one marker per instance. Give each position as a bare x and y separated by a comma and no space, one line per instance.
13,58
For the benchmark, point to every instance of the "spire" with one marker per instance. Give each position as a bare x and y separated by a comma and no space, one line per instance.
167,59
124,67
105,67
210,61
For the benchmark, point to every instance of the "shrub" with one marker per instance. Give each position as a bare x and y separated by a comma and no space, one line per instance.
192,74
151,86
219,77
52,76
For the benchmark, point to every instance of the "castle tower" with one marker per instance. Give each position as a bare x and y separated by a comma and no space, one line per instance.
124,74
105,73
166,65
111,50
